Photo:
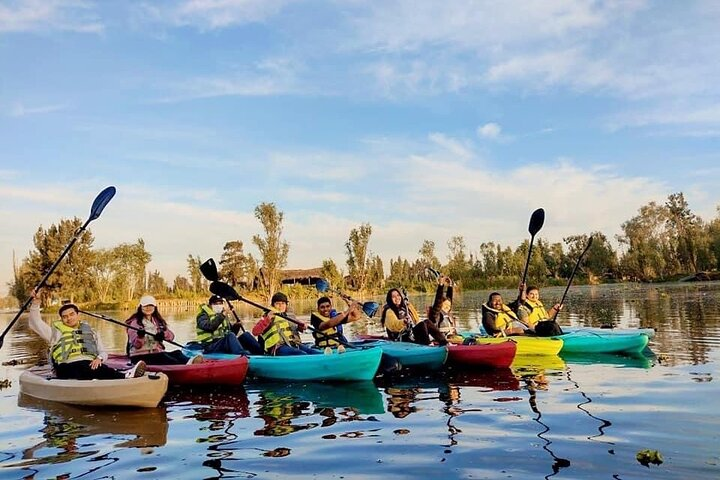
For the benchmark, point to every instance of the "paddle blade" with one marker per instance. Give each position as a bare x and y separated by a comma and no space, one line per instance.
224,290
370,308
432,272
537,219
322,285
209,270
100,202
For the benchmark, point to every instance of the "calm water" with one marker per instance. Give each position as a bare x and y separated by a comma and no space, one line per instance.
574,418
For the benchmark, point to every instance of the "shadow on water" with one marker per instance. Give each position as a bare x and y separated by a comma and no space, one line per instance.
65,425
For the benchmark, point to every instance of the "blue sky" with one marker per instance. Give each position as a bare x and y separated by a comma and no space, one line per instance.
426,119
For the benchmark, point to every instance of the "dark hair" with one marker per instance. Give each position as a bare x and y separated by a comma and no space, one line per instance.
139,316
278,297
215,299
389,305
532,288
68,306
322,300
492,295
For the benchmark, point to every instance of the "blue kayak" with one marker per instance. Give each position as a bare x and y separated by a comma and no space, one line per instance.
581,342
650,332
353,365
410,355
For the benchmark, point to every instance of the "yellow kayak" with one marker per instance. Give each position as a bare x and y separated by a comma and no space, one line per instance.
527,345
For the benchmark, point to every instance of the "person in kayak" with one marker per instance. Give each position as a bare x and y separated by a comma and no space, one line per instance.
531,311
76,351
278,338
330,322
213,329
402,322
439,313
147,345
498,319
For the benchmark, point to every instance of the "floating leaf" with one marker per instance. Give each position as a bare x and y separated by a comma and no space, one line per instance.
647,456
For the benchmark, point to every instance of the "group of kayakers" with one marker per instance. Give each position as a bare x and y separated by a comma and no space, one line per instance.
77,352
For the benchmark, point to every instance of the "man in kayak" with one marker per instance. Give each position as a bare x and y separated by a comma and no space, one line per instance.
532,313
213,329
498,319
75,349
278,338
329,323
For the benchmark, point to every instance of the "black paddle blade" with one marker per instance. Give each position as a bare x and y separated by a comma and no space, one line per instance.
537,219
224,290
370,308
322,285
209,270
431,272
100,202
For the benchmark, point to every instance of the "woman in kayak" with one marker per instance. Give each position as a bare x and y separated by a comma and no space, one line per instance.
440,313
402,322
147,344
75,349
532,313
498,319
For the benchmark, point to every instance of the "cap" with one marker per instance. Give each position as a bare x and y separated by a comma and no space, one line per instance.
279,297
146,300
215,299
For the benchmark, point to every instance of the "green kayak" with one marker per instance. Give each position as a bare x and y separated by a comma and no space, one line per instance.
582,342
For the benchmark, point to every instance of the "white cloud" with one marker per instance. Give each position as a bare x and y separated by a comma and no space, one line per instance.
48,15
20,110
489,130
214,14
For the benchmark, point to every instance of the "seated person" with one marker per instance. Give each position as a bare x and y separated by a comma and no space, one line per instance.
214,331
498,319
328,324
278,338
402,322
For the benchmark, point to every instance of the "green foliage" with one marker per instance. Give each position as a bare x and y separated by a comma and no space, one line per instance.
237,268
357,255
330,272
273,249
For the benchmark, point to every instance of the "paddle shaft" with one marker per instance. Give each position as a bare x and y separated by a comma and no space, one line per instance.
74,239
122,324
572,275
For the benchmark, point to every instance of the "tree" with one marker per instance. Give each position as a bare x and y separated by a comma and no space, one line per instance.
197,280
181,286
156,284
330,272
236,267
687,231
458,265
273,249
357,254
427,254
649,251
129,262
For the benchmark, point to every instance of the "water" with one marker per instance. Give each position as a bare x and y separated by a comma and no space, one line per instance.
579,417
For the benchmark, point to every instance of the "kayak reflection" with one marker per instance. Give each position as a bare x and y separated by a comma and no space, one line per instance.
64,425
282,406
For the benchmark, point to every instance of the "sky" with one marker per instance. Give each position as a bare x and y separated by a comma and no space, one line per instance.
426,119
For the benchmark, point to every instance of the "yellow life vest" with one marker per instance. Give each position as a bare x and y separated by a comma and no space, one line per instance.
412,318
279,332
74,343
503,318
220,332
537,312
332,334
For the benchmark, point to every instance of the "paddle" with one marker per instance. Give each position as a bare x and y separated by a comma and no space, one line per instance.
210,272
370,308
123,324
98,205
229,293
537,219
572,275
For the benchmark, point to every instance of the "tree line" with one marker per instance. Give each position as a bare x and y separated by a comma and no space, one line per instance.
662,242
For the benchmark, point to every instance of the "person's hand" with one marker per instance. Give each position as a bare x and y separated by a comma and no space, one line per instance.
35,295
302,326
159,336
558,306
95,363
141,333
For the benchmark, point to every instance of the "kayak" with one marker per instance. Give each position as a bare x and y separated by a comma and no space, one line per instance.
231,371
617,360
495,355
650,332
145,391
353,365
363,396
526,345
410,355
592,342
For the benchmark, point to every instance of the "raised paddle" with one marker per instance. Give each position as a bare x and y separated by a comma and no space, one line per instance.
370,308
572,275
229,293
122,324
98,205
210,272
537,219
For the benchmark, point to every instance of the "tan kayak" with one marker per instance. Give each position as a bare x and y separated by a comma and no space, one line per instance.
145,391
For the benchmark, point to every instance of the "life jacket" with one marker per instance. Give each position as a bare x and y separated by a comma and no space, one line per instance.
278,333
503,319
150,345
332,337
220,332
74,343
411,319
537,312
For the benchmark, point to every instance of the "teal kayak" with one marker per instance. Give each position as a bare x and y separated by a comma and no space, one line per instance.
650,332
353,365
411,355
592,342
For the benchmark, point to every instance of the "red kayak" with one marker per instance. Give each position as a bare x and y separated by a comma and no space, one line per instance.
495,355
210,372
